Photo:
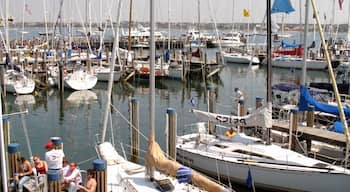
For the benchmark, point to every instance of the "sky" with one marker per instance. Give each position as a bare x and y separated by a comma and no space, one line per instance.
220,11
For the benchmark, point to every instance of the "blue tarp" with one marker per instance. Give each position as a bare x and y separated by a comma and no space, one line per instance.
289,45
282,6
307,100
337,127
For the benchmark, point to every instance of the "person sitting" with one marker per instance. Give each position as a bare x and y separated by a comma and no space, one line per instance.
72,178
40,166
230,133
25,171
90,183
65,168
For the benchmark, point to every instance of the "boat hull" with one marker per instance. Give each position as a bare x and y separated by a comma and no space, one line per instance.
263,176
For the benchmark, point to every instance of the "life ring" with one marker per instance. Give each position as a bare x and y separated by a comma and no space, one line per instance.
144,70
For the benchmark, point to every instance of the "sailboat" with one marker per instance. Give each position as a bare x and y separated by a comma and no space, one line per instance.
243,158
18,83
124,175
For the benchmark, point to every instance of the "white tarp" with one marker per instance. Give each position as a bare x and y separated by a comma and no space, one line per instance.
261,117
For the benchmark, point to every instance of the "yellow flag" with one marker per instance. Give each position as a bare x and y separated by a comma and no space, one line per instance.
246,12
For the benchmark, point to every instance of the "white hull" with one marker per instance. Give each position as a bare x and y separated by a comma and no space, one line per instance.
18,83
103,74
287,175
125,176
239,58
80,80
297,63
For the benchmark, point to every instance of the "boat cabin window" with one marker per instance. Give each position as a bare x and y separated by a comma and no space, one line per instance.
321,165
252,154
221,146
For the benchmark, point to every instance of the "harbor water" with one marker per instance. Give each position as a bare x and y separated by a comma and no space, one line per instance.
76,117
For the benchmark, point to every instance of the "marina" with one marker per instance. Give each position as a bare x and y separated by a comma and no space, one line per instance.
137,107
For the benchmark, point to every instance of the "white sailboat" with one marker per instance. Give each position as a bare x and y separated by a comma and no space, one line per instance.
80,80
271,166
18,83
242,158
123,175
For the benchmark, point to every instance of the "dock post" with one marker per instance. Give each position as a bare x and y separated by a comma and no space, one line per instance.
210,103
259,102
13,156
293,129
58,142
310,123
100,174
310,116
135,127
54,181
240,112
171,132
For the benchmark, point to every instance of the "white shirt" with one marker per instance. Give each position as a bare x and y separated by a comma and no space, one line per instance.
54,159
73,176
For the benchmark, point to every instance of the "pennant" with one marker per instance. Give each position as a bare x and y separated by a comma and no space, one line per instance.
246,12
340,4
27,9
249,180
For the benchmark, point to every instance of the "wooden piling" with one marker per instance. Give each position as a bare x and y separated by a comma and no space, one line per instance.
171,130
259,102
58,142
293,129
14,156
310,116
100,174
240,112
210,103
135,127
53,181
310,120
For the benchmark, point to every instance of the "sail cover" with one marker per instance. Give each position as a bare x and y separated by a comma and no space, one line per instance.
282,6
260,117
306,100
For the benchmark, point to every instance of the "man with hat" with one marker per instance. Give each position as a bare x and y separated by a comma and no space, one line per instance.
53,157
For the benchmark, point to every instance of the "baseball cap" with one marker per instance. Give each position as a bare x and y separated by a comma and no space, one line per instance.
49,145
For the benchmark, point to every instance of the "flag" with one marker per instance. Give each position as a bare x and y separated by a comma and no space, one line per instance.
249,180
27,9
246,12
340,4
282,6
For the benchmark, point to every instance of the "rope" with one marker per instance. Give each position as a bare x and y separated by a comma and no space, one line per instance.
116,110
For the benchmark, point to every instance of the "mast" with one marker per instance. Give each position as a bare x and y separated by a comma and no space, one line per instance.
306,30
269,67
199,18
129,35
111,73
348,33
24,9
334,83
2,152
7,26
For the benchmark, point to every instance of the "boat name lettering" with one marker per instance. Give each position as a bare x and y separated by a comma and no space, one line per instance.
225,119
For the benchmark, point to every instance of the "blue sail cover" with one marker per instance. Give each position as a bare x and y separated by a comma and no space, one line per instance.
306,100
282,6
337,127
285,44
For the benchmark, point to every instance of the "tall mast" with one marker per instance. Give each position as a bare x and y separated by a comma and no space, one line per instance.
269,67
306,30
7,26
152,77
2,151
130,19
111,73
199,18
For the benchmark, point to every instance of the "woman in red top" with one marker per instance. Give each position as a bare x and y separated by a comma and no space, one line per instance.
40,166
